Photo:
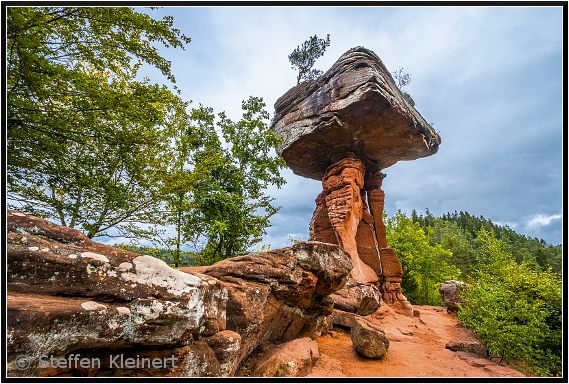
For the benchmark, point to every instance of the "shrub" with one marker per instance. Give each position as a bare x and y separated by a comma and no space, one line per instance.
514,310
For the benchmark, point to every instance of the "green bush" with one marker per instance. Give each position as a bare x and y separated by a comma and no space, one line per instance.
425,267
514,309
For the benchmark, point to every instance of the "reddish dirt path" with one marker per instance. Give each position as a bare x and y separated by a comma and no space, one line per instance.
417,349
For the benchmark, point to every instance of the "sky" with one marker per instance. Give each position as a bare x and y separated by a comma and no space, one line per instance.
489,78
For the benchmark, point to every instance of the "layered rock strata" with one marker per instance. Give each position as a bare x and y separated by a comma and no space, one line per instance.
344,128
354,107
70,299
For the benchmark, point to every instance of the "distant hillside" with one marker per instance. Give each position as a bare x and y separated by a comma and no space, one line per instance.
458,231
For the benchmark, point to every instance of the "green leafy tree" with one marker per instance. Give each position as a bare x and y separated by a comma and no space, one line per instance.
54,93
96,186
304,57
213,194
425,267
457,232
237,211
193,152
453,239
83,137
514,309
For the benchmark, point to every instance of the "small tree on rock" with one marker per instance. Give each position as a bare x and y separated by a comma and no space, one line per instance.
402,79
304,57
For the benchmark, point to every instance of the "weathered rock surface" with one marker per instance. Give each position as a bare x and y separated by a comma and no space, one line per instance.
343,129
280,295
225,345
342,184
292,359
357,297
355,106
342,217
449,292
68,295
461,346
343,318
368,338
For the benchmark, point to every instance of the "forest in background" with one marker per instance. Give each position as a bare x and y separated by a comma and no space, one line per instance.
458,232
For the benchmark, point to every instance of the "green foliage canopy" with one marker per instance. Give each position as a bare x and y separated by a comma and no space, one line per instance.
425,267
55,92
84,138
213,193
458,231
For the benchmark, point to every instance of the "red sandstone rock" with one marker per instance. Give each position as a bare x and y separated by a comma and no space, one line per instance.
68,294
355,106
391,266
376,203
292,359
366,241
350,122
391,286
225,345
368,338
320,226
342,184
357,297
282,294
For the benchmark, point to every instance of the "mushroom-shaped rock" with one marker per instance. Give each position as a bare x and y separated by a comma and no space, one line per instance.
354,107
344,128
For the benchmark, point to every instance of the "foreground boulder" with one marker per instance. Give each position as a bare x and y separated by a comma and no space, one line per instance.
368,339
70,298
280,295
357,297
68,293
449,292
292,359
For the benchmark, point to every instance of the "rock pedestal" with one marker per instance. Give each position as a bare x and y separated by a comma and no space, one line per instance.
343,217
344,128
339,211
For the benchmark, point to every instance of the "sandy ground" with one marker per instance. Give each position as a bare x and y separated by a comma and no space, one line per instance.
417,349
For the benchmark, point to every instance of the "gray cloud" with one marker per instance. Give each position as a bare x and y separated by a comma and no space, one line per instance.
490,78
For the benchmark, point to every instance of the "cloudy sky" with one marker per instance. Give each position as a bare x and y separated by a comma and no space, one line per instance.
489,78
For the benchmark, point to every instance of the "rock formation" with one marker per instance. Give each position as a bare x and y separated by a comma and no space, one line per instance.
449,293
291,359
368,338
477,348
75,300
344,128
